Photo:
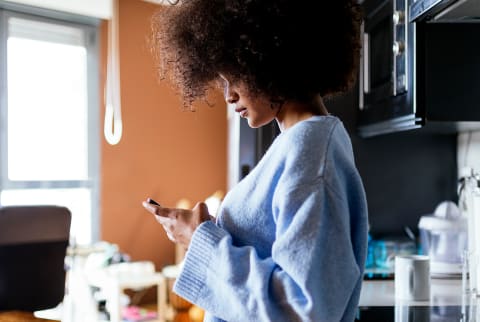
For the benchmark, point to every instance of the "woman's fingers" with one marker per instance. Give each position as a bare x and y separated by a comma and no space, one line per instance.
179,224
159,210
170,236
150,207
201,210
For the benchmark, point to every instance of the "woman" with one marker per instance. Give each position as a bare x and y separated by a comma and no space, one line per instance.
289,241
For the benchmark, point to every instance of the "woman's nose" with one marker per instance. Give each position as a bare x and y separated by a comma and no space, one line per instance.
230,95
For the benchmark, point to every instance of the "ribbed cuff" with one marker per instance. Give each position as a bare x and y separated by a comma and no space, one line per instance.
197,259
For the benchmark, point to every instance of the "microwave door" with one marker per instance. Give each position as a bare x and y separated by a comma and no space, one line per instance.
377,63
385,69
384,52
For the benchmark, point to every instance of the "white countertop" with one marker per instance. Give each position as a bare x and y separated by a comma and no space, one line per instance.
443,292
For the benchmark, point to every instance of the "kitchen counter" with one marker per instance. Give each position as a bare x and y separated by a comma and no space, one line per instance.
447,303
382,293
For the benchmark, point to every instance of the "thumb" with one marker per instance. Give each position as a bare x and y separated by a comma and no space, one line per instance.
202,209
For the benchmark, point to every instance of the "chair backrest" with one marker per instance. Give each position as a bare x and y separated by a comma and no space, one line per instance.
33,244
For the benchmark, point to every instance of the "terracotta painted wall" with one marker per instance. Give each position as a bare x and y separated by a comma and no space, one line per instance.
165,152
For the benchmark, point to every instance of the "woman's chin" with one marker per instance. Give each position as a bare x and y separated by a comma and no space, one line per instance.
252,123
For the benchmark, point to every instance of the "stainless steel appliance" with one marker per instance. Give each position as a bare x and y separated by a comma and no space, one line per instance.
246,145
443,9
385,80
384,62
419,66
385,95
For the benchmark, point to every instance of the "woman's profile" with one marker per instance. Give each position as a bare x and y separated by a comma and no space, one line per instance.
289,242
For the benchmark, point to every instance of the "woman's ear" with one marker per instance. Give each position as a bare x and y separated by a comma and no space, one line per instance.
276,103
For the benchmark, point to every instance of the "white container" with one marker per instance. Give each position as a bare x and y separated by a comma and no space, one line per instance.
412,278
443,237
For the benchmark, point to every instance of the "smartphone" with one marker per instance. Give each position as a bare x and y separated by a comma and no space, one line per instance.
153,202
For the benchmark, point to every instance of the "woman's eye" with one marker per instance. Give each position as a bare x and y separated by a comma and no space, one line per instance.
221,83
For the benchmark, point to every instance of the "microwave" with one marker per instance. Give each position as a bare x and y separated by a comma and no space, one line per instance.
418,69
452,10
385,73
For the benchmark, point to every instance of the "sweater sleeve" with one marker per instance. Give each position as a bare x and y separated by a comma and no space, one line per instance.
310,276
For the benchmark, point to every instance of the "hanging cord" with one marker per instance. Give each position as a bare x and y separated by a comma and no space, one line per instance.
113,126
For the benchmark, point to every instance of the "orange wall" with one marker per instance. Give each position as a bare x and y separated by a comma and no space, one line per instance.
165,153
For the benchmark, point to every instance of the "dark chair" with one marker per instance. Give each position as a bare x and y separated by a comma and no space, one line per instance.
33,244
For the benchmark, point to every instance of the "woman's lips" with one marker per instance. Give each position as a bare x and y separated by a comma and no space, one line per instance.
242,111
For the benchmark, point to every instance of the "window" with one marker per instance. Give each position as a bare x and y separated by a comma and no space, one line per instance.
49,137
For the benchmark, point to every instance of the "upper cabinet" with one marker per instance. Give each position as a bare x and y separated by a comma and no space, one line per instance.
417,72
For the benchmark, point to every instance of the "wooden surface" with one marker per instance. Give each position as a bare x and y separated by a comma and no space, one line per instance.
19,316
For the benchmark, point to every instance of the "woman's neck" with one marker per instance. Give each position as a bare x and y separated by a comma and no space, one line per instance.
292,112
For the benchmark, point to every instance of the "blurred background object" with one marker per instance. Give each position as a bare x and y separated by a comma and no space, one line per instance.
33,245
443,237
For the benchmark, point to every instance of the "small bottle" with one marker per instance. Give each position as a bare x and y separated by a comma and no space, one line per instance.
78,303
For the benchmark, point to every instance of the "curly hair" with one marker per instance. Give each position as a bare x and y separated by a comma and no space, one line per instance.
281,48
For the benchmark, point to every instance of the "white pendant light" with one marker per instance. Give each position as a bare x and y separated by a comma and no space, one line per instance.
113,127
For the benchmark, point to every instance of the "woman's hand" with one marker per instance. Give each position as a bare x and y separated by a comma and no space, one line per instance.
179,224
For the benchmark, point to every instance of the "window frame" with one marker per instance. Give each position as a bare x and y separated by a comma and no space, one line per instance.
90,27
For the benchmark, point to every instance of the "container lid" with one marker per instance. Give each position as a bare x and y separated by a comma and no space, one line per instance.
447,216
435,223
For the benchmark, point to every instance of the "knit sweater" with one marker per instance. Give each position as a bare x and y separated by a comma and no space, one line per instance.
289,243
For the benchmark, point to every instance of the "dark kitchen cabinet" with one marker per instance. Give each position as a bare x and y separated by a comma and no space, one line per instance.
406,174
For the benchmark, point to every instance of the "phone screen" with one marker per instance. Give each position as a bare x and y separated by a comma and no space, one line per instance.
153,202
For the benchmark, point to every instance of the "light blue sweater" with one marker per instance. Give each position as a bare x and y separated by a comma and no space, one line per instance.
290,239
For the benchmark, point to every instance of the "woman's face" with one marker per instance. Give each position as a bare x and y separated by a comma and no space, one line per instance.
256,108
